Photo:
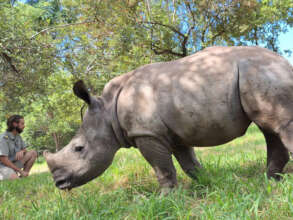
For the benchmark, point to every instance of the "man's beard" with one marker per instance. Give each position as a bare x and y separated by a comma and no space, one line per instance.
19,130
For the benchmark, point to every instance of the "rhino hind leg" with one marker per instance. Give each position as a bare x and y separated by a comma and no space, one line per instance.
187,160
286,134
160,158
277,155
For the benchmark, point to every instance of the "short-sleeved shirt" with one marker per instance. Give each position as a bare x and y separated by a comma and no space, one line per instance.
10,144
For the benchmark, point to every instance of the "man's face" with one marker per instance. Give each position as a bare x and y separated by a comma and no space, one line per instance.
20,126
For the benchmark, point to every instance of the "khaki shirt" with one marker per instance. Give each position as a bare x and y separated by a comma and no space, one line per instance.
10,145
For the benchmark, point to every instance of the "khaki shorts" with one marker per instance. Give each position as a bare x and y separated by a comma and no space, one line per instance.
6,172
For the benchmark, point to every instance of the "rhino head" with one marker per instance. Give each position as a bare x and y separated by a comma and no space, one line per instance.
91,150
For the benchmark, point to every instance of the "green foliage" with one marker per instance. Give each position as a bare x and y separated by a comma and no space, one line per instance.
25,64
47,128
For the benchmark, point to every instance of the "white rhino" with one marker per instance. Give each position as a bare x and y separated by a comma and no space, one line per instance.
164,109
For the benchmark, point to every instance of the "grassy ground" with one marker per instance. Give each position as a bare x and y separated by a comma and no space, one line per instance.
233,185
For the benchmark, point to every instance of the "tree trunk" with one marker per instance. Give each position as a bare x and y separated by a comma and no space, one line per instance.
56,140
54,134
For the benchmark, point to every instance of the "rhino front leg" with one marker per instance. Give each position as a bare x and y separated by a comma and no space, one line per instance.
160,158
187,160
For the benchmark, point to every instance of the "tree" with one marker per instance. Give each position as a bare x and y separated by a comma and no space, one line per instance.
46,127
24,63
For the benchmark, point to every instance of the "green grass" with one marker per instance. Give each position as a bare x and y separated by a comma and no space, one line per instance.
233,185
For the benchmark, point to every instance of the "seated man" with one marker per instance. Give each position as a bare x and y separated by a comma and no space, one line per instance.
14,158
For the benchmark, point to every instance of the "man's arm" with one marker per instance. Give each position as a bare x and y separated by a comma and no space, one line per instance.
23,144
6,162
20,154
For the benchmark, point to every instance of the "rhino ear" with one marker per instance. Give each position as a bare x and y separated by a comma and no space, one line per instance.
81,91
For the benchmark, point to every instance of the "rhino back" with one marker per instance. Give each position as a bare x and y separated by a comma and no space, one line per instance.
196,98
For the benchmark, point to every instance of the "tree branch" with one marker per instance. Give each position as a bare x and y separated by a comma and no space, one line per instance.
164,25
9,61
89,66
61,26
160,51
190,11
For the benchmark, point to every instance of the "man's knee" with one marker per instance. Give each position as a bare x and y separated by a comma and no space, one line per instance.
33,154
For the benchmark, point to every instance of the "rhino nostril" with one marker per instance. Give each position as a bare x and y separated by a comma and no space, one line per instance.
60,182
63,184
78,148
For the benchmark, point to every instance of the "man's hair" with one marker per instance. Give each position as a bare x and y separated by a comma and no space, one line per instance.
11,120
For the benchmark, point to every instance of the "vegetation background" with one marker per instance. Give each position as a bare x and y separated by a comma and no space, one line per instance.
46,45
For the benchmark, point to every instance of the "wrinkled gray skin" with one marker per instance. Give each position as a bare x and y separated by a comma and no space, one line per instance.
206,99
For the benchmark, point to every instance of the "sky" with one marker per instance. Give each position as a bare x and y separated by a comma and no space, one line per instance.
286,42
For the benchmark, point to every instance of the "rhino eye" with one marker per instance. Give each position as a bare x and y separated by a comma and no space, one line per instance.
78,148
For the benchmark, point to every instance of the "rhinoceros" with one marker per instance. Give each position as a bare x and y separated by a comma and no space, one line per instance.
164,109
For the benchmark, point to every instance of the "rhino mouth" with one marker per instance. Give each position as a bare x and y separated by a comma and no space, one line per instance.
64,184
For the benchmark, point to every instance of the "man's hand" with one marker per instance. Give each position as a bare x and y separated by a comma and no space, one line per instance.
23,173
19,155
